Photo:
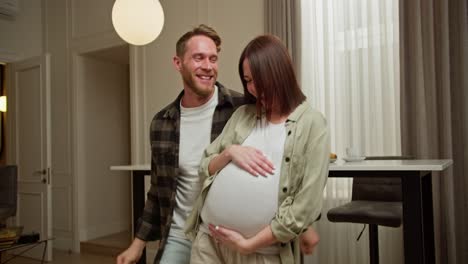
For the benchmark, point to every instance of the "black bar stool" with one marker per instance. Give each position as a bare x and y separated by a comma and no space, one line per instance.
375,201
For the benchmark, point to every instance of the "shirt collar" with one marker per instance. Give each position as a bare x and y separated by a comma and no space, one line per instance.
297,113
173,111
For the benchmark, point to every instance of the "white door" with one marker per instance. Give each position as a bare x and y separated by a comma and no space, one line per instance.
28,118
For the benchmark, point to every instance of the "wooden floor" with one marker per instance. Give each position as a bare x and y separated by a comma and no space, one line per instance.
111,245
62,257
97,251
114,244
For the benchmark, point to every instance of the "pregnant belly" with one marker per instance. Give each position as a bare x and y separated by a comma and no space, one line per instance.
240,201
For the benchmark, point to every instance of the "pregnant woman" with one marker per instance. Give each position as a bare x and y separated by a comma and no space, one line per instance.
284,142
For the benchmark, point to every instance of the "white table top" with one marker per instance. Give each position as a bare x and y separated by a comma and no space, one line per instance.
341,165
131,167
391,165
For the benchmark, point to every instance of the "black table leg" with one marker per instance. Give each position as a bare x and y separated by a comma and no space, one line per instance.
44,252
428,219
412,218
418,217
138,178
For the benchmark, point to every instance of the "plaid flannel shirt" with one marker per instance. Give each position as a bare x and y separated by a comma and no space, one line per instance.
156,219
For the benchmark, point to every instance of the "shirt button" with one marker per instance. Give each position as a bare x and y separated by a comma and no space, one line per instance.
289,132
287,159
285,189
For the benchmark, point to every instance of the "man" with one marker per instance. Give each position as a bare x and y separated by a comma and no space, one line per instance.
179,134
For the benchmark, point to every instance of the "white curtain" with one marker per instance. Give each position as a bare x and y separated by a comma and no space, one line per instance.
350,72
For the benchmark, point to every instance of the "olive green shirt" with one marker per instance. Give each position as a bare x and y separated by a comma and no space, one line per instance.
304,172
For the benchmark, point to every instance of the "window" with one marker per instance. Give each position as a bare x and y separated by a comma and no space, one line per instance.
350,72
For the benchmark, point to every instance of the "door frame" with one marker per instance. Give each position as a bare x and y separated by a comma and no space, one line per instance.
80,48
11,138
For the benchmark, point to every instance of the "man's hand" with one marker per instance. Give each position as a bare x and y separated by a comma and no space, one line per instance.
251,160
308,240
133,253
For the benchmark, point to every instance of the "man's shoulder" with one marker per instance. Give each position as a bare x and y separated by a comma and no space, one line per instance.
238,99
232,93
164,111
164,114
234,97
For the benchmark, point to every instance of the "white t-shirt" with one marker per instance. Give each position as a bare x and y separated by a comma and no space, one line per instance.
241,201
195,133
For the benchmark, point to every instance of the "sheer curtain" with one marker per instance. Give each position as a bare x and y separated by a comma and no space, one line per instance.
350,72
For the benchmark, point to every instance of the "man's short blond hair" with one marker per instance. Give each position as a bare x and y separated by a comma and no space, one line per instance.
201,30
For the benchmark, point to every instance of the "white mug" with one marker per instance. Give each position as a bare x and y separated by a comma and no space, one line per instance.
352,152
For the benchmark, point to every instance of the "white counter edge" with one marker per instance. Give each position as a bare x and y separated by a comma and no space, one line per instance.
145,167
366,165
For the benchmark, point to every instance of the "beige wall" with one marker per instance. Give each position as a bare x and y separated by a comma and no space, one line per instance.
237,22
21,36
153,81
103,131
67,29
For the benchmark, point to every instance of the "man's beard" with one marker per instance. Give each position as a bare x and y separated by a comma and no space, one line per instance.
194,86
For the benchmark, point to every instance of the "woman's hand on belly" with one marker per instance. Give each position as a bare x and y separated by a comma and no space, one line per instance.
230,238
251,160
235,241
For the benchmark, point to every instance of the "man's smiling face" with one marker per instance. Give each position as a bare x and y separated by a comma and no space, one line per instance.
199,65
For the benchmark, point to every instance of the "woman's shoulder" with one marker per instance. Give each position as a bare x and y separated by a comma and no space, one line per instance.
312,114
245,110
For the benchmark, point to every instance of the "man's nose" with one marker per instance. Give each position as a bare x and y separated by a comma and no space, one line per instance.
206,64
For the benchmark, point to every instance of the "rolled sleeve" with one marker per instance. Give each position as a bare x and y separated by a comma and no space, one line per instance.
225,139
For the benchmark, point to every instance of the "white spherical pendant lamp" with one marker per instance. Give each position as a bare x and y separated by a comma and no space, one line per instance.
138,22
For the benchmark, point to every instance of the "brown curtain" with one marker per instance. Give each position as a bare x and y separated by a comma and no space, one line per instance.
434,107
282,18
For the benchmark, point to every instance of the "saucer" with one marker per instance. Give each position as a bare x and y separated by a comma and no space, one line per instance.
351,159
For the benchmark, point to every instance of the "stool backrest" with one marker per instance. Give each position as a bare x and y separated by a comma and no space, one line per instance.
378,189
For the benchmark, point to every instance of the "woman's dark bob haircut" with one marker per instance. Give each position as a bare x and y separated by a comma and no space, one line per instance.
273,76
